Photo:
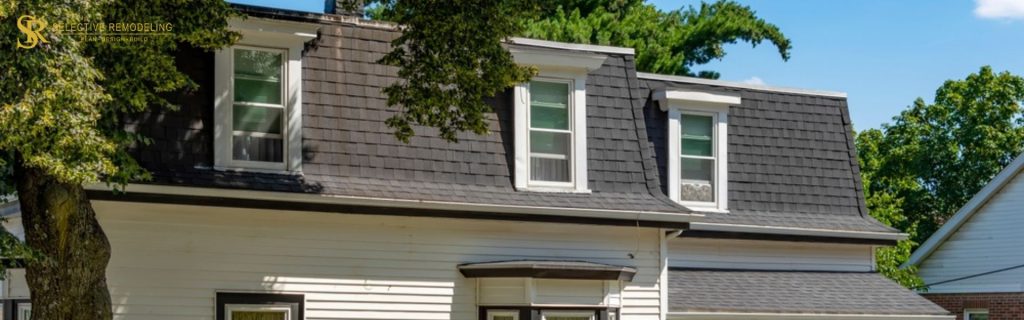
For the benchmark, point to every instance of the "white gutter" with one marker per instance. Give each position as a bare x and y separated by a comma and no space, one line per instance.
627,215
799,316
739,85
811,232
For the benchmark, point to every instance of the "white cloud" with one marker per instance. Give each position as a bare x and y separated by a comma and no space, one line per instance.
754,80
999,9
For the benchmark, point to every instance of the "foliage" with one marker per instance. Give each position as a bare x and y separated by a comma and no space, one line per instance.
61,109
450,56
933,158
670,42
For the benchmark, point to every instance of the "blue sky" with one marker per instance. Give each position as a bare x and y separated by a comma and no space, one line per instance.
883,53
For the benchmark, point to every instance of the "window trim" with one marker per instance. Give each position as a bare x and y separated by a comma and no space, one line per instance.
290,313
228,121
578,136
231,301
679,102
502,312
973,311
568,313
262,34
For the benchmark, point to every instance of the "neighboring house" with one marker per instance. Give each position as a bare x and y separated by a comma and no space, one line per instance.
974,265
602,193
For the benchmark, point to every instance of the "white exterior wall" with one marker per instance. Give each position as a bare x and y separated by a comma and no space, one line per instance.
768,255
989,240
169,261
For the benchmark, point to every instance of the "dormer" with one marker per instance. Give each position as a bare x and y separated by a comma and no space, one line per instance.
551,117
698,124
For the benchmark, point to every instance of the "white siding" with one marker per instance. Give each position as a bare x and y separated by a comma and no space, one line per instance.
768,255
168,261
989,240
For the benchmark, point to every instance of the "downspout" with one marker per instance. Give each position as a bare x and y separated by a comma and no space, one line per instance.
663,277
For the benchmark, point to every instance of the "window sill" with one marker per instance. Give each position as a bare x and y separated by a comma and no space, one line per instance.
257,170
703,209
548,189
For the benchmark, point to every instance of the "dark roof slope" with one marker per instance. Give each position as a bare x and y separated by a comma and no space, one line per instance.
348,149
792,161
792,292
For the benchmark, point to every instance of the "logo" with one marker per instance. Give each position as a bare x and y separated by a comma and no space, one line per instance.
31,27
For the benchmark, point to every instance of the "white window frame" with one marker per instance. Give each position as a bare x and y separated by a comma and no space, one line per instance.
286,37
567,313
571,67
680,102
289,310
573,131
969,312
22,309
492,313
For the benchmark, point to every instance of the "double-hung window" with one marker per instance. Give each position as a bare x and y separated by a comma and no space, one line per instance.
258,97
697,157
551,133
697,143
259,306
258,111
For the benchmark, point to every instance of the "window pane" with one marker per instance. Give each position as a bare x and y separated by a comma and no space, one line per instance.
544,169
697,135
697,180
567,317
257,119
259,315
549,105
978,316
502,317
257,76
250,148
554,143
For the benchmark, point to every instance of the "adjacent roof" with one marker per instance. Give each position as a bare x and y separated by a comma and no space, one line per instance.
692,290
792,161
548,269
967,211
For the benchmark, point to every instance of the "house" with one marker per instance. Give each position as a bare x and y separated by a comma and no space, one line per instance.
602,193
973,265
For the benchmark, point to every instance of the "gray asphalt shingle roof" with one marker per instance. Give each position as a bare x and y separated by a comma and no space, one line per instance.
792,292
792,161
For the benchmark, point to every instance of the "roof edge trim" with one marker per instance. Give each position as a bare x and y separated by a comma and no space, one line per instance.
722,227
694,315
739,85
629,215
571,46
967,211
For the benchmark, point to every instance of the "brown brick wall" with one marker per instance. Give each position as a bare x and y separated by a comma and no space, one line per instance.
1001,306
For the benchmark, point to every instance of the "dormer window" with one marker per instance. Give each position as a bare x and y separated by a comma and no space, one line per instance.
697,147
258,97
551,132
551,119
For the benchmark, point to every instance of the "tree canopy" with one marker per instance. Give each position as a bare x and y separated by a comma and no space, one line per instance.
450,54
926,164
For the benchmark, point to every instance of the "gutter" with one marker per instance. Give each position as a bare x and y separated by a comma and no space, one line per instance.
625,215
793,231
800,316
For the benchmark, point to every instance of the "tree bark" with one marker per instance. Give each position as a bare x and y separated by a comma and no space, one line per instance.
68,281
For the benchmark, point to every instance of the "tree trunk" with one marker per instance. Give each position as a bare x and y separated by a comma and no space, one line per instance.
69,280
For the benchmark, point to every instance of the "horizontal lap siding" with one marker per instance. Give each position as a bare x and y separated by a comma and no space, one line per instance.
168,261
988,241
768,255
